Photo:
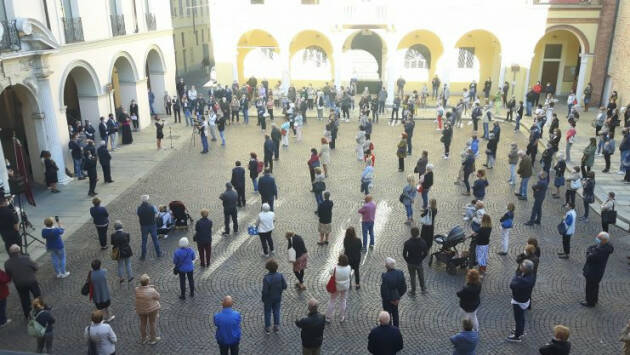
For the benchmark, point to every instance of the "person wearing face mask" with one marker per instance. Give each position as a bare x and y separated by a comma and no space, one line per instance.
569,230
595,266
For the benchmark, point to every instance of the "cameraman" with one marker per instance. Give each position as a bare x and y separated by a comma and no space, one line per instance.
9,222
202,126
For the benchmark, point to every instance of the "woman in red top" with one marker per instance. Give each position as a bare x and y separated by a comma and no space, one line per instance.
313,163
4,294
537,89
571,132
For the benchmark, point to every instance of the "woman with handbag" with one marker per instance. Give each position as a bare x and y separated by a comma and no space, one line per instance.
588,193
273,286
121,251
41,315
408,196
427,218
100,336
609,215
99,291
298,256
183,259
338,287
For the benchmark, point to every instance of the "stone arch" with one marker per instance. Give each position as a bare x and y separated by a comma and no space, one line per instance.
586,47
88,76
311,39
155,57
483,63
80,89
257,40
154,68
123,78
123,55
359,48
412,40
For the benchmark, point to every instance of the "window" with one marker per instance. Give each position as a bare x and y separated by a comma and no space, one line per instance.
257,2
466,57
316,55
181,8
183,41
553,51
417,57
310,2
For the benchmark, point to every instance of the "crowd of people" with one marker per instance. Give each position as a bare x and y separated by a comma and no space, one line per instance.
223,108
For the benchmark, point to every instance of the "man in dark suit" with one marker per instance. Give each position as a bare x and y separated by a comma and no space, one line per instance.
90,166
238,181
385,338
267,188
104,158
102,130
596,259
112,130
268,149
540,191
393,287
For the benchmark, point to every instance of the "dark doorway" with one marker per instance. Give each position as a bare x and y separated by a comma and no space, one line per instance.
12,110
370,42
550,73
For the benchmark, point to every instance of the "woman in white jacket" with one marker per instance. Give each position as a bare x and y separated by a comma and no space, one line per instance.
342,272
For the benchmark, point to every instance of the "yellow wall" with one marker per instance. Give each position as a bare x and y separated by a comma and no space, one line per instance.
570,51
487,51
306,39
433,43
253,38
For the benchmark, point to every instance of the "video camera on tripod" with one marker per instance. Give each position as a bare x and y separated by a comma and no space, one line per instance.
17,185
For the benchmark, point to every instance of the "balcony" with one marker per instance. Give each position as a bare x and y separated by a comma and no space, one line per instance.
118,25
10,38
570,3
73,29
150,18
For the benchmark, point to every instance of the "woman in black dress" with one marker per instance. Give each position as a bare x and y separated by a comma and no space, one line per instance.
125,124
352,248
50,171
426,233
159,130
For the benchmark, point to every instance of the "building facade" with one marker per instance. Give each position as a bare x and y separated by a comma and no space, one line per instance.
72,59
191,35
515,41
618,78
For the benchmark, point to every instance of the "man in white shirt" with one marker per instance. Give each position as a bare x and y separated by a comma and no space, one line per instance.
212,121
264,224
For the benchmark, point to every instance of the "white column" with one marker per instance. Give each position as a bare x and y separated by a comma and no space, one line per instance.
286,69
234,68
337,62
142,94
56,129
391,75
502,71
582,76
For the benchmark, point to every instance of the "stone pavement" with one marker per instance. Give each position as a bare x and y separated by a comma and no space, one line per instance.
237,268
129,164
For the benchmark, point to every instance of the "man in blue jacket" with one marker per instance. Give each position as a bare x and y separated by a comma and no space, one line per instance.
596,260
465,341
393,287
385,339
228,323
540,191
521,285
267,188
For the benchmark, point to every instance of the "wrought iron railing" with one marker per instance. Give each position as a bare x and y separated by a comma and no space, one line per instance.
151,25
118,25
10,37
73,29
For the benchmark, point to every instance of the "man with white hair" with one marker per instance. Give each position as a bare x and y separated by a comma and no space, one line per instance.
593,271
393,287
146,215
522,285
105,158
385,338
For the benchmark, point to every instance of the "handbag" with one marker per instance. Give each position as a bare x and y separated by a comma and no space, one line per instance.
35,328
115,253
401,198
576,184
508,223
175,272
291,255
85,290
331,286
427,218
609,216
252,230
562,228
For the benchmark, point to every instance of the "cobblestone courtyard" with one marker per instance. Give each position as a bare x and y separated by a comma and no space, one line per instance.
237,267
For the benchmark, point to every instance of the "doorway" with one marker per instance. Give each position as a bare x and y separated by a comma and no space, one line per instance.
550,73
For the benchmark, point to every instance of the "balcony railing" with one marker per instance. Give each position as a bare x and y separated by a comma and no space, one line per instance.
568,2
10,38
151,25
73,29
118,25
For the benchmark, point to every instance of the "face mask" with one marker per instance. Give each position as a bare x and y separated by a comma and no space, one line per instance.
597,241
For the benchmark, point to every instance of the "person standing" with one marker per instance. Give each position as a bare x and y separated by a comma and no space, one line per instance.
385,338
120,242
273,286
410,124
101,334
183,259
238,181
146,215
105,158
482,241
568,223
608,213
588,157
414,252
570,139
4,294
560,344
446,138
276,136
296,243
540,191
469,299
221,127
408,196
265,226
465,341
367,176
312,329
324,213
112,131
595,266
368,213
177,110
352,249
159,131
54,245
522,284
100,290
102,129
76,151
253,166
203,237
268,149
9,224
401,151
393,287
324,155
267,188
229,198
342,273
50,172
21,270
507,223
228,323
90,166
588,193
428,223
147,308
41,314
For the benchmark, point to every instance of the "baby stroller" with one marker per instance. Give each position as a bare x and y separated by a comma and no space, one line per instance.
180,214
449,254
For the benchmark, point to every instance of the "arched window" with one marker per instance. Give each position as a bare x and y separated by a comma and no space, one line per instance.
417,57
315,55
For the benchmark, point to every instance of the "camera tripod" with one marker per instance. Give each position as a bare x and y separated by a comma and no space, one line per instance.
25,225
193,141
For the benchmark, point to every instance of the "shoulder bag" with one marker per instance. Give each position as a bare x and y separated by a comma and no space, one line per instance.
427,218
115,253
35,328
609,216
85,290
331,286
291,255
562,228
